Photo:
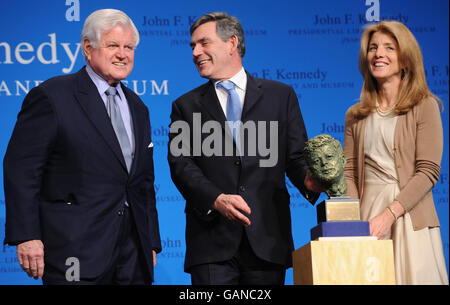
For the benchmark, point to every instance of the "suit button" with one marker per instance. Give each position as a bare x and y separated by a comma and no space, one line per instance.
238,162
242,188
120,213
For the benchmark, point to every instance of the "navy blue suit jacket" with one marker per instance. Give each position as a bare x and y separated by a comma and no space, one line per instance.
210,237
66,179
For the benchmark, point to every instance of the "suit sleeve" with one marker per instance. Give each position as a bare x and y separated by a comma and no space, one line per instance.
151,206
297,136
186,174
24,164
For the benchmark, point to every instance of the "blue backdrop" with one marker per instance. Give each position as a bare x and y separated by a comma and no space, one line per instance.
311,45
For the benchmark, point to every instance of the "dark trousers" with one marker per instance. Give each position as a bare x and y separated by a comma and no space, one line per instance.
245,268
128,265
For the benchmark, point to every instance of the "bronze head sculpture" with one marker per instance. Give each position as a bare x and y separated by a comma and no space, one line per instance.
326,162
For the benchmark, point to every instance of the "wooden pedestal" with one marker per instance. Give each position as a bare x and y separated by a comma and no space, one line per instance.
345,261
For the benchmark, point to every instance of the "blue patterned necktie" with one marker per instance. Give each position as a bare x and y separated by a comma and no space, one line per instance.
116,120
234,109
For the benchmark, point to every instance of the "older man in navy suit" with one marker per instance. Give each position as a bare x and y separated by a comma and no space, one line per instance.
78,171
238,223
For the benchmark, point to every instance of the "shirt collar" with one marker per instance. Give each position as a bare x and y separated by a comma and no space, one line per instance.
102,84
239,80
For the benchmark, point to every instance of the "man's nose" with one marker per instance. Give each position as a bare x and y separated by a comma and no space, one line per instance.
121,52
196,50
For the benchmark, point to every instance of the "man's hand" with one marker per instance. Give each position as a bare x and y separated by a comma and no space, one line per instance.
312,184
154,258
31,258
231,207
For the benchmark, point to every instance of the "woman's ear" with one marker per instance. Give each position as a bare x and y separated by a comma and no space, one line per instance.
404,71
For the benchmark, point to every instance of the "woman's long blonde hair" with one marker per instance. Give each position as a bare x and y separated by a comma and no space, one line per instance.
413,86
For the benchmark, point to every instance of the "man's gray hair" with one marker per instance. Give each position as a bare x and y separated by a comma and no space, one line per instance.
102,21
226,26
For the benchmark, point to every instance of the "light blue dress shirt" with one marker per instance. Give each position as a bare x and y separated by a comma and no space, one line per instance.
102,85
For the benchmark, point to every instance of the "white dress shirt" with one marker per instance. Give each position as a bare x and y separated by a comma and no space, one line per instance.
240,81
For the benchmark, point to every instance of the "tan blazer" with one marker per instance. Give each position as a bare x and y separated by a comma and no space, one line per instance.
418,145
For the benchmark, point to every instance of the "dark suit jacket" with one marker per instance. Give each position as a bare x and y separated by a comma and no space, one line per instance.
66,179
201,179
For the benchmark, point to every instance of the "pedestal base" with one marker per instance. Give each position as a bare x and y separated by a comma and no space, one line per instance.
345,261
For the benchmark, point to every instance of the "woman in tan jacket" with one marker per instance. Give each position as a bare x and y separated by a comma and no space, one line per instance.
393,145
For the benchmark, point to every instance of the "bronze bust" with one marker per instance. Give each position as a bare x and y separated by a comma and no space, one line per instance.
326,162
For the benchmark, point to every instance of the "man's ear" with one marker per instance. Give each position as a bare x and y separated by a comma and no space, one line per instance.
87,48
234,40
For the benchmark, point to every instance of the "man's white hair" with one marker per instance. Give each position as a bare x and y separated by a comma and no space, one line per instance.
102,21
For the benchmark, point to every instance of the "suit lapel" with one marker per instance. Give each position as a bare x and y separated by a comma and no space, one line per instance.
210,103
94,108
252,95
136,120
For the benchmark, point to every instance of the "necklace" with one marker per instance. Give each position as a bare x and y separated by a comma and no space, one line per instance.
386,112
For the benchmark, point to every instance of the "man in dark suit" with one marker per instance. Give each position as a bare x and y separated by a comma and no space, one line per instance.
238,223
78,170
